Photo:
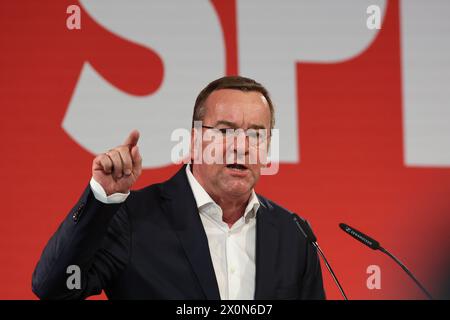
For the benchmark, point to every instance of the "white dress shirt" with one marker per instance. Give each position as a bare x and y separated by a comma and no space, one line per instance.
232,249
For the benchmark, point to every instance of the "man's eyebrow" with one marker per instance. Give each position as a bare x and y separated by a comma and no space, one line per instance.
226,123
235,126
257,126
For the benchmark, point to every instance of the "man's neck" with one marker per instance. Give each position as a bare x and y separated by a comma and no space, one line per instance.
233,208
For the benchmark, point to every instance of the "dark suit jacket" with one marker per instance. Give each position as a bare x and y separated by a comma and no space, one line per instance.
153,246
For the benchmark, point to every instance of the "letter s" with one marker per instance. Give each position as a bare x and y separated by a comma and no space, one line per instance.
187,36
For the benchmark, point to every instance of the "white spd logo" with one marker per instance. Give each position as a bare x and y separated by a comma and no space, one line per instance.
272,36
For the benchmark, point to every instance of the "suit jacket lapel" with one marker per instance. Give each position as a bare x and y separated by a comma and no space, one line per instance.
266,251
183,213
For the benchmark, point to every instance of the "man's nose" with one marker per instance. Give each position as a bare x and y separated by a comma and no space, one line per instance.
241,143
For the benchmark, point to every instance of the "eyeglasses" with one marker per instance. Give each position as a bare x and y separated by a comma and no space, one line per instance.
254,135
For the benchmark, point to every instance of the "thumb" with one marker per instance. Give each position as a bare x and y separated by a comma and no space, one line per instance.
136,158
132,139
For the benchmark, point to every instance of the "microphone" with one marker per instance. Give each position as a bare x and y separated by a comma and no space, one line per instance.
307,232
375,245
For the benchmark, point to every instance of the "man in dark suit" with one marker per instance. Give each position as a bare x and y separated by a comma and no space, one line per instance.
203,234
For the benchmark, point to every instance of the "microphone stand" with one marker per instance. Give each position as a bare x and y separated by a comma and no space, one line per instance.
307,232
407,271
330,270
375,245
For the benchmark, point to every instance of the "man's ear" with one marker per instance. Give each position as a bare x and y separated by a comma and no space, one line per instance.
191,149
196,146
266,158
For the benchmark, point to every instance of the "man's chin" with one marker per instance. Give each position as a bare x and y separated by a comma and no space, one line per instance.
238,189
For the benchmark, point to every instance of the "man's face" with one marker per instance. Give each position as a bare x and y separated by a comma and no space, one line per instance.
234,109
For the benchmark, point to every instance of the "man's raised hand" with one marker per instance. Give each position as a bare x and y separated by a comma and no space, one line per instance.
119,168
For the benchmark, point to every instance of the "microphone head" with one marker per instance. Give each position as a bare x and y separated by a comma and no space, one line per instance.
361,237
305,228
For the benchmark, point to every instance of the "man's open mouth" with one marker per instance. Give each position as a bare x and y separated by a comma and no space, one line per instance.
236,166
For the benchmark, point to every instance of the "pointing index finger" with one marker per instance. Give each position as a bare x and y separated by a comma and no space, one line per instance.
132,139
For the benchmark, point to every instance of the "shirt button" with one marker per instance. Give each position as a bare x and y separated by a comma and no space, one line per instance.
232,270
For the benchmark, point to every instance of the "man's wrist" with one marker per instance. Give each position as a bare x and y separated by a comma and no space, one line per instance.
100,194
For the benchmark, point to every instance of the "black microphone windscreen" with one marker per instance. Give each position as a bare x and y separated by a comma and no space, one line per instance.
361,237
305,228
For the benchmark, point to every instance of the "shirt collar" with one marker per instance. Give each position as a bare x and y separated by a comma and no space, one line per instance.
202,198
